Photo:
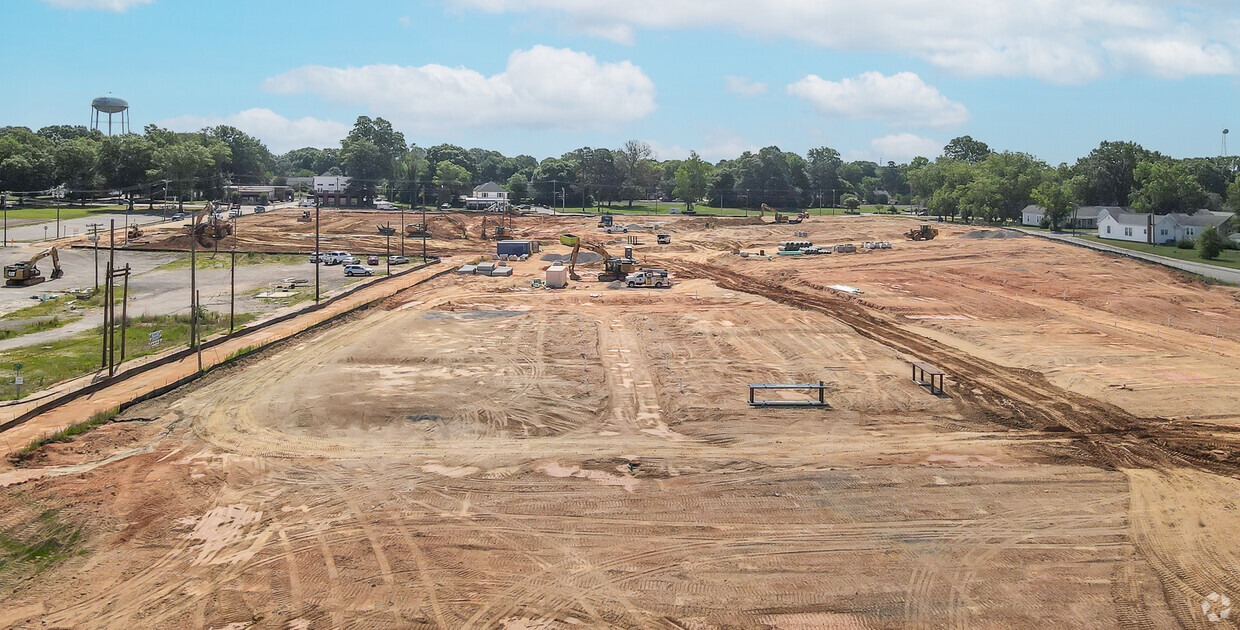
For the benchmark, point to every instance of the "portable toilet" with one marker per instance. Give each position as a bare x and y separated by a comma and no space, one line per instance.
557,276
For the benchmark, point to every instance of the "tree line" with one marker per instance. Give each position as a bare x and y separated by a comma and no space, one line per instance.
968,181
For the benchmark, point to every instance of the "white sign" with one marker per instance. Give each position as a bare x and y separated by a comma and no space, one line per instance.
18,380
155,338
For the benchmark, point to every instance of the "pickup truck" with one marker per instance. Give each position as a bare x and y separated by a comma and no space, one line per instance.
656,278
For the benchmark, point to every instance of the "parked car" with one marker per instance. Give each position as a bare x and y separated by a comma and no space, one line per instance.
339,258
358,270
385,205
306,203
260,209
176,217
232,214
397,260
235,206
314,258
372,260
616,229
445,206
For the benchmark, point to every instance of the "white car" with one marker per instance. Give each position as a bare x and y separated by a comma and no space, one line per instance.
339,258
306,203
358,270
260,209
397,260
232,214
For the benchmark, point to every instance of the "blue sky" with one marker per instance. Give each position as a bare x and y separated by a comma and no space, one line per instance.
887,79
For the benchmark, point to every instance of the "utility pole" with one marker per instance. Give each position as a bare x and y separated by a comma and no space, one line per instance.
388,254
402,231
232,290
318,262
427,234
197,297
553,187
4,205
193,282
124,308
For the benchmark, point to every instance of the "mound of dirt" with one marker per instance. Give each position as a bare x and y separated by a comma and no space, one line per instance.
994,234
582,257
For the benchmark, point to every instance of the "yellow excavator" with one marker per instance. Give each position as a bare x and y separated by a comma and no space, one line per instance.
779,218
500,232
208,224
24,274
613,268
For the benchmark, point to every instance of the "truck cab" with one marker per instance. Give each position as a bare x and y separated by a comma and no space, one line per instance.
605,221
656,278
664,239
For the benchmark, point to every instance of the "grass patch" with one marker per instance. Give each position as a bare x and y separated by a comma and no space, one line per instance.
39,543
222,260
34,326
50,363
69,212
1230,258
68,433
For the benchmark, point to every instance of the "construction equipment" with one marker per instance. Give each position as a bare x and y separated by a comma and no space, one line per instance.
613,268
305,217
799,217
133,232
605,221
24,274
416,230
649,278
779,218
208,224
924,233
457,222
422,230
386,230
664,239
500,232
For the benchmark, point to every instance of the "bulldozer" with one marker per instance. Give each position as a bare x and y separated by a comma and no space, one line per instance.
613,268
386,230
923,233
305,217
24,274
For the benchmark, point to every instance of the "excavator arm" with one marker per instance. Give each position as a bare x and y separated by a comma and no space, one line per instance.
27,273
578,244
457,222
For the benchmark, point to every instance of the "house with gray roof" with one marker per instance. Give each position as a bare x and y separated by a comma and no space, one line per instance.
487,195
1176,226
1082,218
1116,224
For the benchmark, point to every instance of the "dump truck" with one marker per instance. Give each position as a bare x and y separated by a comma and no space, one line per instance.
24,274
924,233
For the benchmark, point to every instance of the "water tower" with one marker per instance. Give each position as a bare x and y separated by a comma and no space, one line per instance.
109,105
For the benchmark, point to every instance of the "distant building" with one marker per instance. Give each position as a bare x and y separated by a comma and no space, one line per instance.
332,191
1173,227
1164,229
254,195
1119,225
1082,218
486,195
330,183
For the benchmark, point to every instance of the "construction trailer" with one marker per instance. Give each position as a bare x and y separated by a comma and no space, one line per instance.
516,248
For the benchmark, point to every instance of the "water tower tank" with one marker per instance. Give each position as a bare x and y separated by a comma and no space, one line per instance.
109,105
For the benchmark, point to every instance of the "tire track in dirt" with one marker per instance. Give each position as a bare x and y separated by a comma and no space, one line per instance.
1012,396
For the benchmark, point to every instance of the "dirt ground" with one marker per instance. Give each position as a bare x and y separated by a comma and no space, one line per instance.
477,453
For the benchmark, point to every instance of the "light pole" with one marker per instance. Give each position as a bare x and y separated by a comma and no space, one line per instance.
318,261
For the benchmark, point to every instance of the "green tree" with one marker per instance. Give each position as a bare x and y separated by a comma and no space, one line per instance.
366,165
1233,195
692,179
182,164
1107,173
966,149
519,186
451,180
1057,199
75,162
124,160
1211,243
1166,186
850,201
249,160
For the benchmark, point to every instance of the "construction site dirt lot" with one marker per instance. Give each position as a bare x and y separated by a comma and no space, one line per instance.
478,453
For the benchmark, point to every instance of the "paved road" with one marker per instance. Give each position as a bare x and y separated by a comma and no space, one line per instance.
1202,269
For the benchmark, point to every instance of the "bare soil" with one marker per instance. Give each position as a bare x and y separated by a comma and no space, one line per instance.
477,453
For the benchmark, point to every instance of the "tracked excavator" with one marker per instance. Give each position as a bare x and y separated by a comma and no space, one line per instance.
613,268
208,224
24,274
499,233
779,218
386,230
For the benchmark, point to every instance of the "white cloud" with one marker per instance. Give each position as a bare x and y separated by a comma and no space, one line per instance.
102,5
541,88
743,86
899,148
1172,57
1058,41
404,20
901,99
279,133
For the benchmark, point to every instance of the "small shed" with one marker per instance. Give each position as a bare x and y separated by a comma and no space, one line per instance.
516,248
557,276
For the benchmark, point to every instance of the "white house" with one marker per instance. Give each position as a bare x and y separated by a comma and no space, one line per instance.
1124,226
330,183
1176,226
1082,218
486,195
